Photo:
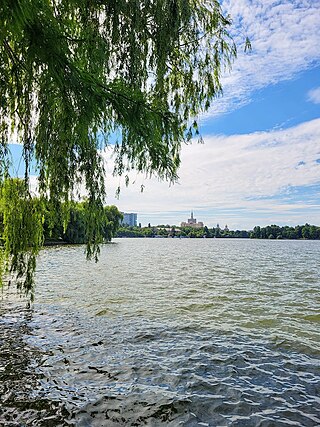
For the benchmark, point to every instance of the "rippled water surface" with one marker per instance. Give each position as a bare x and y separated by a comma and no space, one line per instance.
190,332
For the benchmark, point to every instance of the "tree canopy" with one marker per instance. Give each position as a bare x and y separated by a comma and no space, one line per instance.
76,74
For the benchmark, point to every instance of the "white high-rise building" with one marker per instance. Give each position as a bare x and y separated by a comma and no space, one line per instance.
129,219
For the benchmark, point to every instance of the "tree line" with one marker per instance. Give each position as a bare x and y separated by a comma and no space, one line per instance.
307,231
73,231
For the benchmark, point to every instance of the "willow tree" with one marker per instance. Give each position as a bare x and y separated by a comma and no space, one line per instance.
76,74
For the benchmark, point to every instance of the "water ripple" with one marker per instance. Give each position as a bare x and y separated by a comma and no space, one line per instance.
166,332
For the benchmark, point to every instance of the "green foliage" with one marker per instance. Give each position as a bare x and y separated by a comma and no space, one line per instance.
76,71
310,232
270,232
77,226
22,232
75,230
111,222
25,223
126,231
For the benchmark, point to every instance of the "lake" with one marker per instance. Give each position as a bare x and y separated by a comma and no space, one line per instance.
166,332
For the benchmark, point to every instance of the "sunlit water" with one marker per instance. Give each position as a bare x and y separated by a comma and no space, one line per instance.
190,332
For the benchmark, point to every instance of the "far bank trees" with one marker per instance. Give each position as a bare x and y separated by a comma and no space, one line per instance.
307,232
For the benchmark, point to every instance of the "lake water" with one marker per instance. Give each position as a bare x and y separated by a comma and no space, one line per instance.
166,332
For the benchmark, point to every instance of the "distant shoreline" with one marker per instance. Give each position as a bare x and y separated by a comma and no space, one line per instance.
298,232
211,238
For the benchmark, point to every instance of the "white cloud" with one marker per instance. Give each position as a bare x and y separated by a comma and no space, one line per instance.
246,179
314,95
233,173
285,38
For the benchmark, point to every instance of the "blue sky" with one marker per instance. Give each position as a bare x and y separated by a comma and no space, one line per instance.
277,106
260,163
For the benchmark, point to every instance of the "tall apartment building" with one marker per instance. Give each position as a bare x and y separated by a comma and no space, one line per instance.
129,219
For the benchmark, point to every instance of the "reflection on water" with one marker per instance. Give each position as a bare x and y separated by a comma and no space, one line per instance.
166,332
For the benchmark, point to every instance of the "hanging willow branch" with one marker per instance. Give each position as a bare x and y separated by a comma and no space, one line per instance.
73,72
22,232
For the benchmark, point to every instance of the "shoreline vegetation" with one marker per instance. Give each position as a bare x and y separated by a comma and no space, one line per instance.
57,232
299,232
62,229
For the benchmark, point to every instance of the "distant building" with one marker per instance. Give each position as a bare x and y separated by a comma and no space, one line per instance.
192,222
129,219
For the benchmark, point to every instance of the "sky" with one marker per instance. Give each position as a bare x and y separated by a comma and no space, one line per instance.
260,161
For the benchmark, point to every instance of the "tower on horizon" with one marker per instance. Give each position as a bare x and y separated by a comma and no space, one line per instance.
192,222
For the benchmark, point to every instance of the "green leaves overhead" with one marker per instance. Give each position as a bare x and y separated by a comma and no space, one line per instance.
74,72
